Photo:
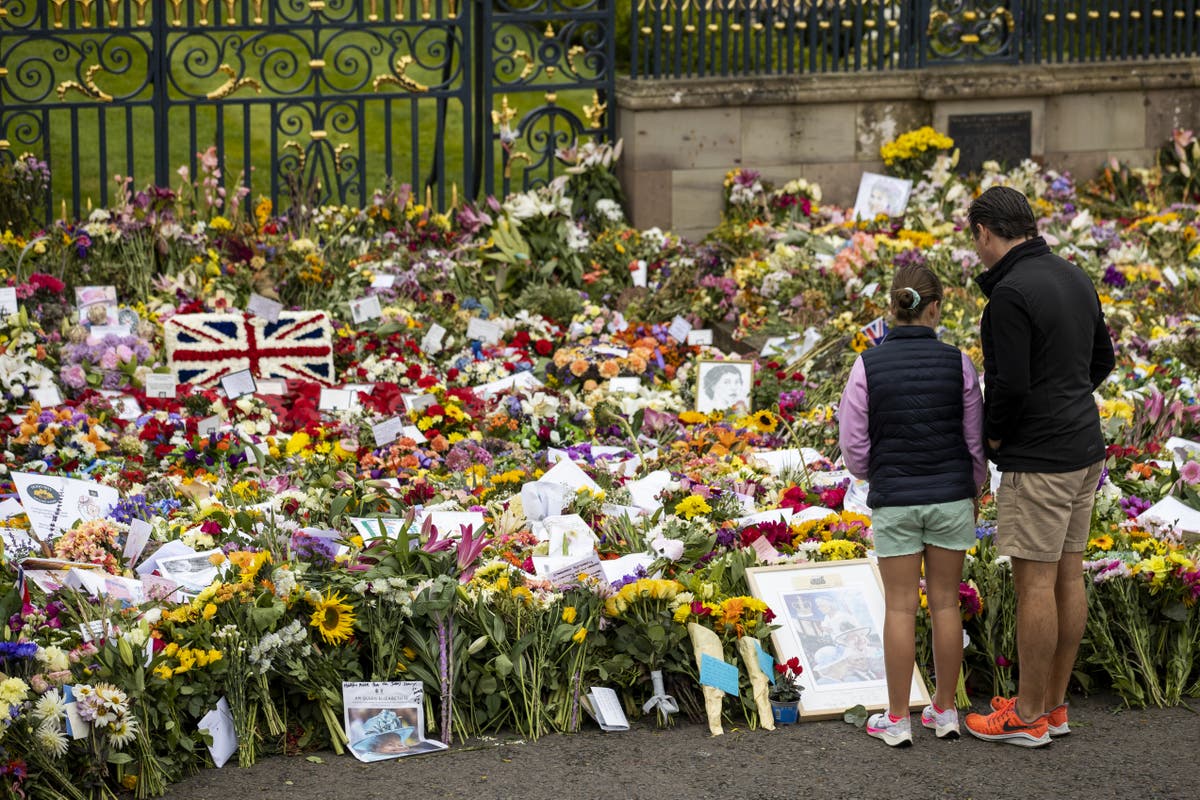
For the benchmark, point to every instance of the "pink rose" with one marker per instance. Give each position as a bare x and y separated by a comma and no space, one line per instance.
74,376
124,353
109,359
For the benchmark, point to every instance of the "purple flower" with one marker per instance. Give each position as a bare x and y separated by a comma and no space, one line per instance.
1114,277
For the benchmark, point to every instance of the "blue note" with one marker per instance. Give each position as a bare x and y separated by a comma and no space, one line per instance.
719,674
765,662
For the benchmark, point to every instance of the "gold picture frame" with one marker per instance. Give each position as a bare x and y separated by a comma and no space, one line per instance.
830,614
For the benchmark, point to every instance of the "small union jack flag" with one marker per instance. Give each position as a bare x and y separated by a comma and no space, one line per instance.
875,330
204,347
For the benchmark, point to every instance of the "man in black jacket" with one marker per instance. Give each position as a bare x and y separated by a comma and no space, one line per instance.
1045,350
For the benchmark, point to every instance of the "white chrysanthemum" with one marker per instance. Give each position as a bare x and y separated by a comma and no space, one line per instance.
49,707
112,697
123,732
52,739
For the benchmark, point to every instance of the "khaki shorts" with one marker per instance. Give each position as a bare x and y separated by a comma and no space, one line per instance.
1041,515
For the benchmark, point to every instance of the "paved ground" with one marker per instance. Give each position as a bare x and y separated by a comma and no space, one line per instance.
1113,753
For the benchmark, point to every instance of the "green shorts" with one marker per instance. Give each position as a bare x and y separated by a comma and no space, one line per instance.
905,530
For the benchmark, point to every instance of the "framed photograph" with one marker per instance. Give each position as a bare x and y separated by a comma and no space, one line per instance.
724,386
831,616
881,194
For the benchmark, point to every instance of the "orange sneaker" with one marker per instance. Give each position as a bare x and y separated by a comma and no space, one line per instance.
1004,725
1056,721
1056,718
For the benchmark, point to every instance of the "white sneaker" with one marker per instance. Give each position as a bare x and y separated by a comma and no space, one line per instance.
945,723
895,734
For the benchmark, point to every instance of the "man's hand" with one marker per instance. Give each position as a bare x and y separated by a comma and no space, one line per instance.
993,444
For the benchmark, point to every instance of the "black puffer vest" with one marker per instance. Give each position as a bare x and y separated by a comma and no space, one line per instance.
915,421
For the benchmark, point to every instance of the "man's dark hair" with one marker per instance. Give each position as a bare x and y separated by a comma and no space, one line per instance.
1005,212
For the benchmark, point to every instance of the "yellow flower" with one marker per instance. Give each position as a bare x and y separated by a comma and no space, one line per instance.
682,613
210,611
568,615
333,618
579,636
1103,542
692,418
691,506
297,443
13,691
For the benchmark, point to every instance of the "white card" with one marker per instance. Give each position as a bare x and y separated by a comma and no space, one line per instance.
208,426
606,707
8,300
870,289
431,342
365,308
417,402
1171,275
97,333
699,336
48,396
483,330
336,400
160,384
136,539
127,408
569,575
219,725
680,328
271,386
383,281
413,432
264,307
630,385
639,273
10,508
387,431
238,384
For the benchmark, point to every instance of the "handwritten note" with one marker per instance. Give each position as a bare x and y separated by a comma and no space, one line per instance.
365,308
387,431
719,674
238,384
160,384
680,328
484,330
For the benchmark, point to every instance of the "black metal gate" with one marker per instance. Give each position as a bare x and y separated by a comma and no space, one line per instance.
304,100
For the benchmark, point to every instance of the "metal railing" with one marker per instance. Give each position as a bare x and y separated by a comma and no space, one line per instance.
706,38
334,96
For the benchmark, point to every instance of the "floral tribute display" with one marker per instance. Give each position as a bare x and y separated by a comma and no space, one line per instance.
496,485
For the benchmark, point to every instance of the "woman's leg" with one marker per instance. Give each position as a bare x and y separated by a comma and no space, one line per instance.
901,575
943,572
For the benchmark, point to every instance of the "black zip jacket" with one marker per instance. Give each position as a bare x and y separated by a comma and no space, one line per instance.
1045,350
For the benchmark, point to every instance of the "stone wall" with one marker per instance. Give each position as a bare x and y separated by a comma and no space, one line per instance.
682,136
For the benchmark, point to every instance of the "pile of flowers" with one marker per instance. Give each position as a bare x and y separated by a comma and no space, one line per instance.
428,525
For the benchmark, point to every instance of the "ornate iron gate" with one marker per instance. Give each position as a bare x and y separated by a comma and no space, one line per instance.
302,100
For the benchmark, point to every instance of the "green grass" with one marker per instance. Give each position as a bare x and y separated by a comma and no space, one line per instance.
121,137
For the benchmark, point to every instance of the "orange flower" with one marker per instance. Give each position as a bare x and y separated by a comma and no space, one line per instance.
610,368
579,367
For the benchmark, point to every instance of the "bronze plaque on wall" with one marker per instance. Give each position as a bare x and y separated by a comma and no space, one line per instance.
1006,138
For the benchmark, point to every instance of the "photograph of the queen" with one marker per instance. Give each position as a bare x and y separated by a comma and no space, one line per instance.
724,386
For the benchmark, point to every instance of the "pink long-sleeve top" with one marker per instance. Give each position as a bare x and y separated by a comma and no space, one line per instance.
855,440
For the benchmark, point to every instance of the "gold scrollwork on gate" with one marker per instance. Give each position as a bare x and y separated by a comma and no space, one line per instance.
232,84
88,88
398,77
595,111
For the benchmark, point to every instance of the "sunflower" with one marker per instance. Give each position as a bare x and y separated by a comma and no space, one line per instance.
765,421
333,618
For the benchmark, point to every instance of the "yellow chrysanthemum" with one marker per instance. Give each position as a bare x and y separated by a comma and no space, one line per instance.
333,618
691,506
